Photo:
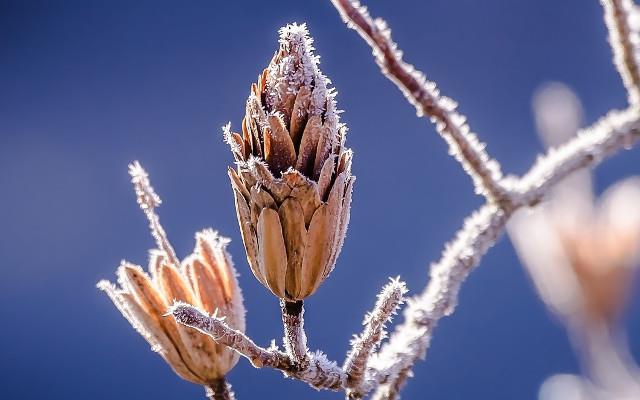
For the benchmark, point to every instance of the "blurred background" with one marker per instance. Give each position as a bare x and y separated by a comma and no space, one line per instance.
88,86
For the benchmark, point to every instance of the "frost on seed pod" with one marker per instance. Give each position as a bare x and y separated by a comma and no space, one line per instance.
205,279
293,180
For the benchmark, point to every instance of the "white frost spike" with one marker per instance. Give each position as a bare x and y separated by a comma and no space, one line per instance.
389,299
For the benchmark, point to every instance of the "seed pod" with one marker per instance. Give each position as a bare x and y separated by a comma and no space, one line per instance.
293,180
205,279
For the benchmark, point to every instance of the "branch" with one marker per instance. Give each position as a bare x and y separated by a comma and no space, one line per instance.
362,346
148,200
624,39
614,132
424,95
481,230
411,339
319,373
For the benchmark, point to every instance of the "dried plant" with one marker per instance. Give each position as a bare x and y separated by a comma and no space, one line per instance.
206,279
292,186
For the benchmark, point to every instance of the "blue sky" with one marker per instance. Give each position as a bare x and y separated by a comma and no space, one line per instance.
88,86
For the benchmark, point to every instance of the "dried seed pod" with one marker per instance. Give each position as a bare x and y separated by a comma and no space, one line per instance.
205,279
293,181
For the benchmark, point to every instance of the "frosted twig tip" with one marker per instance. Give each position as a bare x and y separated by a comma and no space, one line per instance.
389,299
145,195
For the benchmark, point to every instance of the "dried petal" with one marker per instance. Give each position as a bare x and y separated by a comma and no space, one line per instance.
236,183
138,283
300,114
309,145
249,237
317,251
295,237
259,199
273,254
324,180
278,147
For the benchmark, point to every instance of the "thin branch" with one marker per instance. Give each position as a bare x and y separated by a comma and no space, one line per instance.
424,95
362,346
411,339
616,131
319,373
624,39
391,391
148,200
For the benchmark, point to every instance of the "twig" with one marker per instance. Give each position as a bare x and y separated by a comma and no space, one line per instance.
392,390
411,339
423,94
319,373
616,131
148,200
617,14
362,346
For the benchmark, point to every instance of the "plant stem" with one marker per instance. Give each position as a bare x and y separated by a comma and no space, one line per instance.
295,339
219,389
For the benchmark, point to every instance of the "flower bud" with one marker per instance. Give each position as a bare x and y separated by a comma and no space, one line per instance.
205,279
293,182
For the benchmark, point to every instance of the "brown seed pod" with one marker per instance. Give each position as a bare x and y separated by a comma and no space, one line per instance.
293,181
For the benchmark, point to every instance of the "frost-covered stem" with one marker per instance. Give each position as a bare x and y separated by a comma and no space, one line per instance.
617,14
319,373
148,200
219,390
223,334
411,339
366,343
295,339
615,131
391,391
425,96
